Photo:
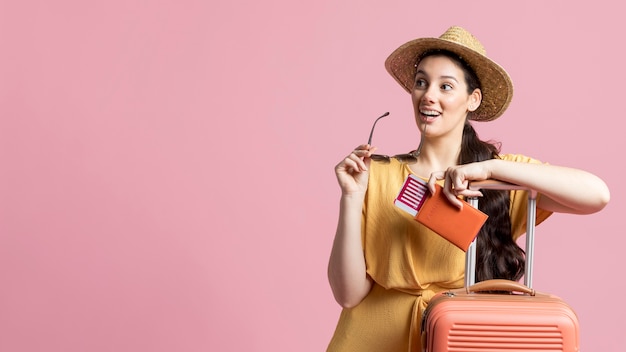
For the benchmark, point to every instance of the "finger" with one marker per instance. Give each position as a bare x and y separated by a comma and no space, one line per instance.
367,161
470,194
364,150
432,180
356,160
456,179
372,150
360,151
449,192
349,164
460,186
363,153
362,147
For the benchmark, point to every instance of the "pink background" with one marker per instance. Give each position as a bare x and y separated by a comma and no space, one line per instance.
167,166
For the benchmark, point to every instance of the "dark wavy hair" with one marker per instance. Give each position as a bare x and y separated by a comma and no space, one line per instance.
497,255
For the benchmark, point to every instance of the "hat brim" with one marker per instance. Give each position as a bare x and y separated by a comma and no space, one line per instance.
496,85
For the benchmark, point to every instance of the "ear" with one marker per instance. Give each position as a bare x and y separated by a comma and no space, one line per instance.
474,100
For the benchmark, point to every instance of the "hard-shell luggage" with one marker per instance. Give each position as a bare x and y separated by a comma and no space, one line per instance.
516,318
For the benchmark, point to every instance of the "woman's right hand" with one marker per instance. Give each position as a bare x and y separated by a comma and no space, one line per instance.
353,171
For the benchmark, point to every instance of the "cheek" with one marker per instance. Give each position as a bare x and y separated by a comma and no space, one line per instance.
414,95
415,99
454,103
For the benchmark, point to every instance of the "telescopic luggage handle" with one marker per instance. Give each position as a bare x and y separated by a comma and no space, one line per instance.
470,256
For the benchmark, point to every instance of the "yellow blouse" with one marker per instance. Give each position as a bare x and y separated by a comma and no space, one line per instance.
408,262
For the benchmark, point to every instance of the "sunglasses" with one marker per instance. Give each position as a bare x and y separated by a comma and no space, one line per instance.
408,158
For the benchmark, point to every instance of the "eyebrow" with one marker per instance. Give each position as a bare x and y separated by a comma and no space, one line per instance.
448,77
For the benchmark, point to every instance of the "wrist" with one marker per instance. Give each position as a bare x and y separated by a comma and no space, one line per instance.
491,169
352,196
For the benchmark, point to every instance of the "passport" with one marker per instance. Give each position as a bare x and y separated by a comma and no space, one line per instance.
459,226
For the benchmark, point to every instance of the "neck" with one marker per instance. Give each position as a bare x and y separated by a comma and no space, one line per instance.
437,154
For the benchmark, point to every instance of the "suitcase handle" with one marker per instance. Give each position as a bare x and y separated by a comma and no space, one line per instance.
470,258
500,285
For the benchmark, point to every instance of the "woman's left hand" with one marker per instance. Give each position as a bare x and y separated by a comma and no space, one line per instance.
457,179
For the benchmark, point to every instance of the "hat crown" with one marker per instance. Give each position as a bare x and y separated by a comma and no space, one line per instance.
461,36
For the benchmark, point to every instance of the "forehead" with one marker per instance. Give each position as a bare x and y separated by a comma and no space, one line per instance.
440,65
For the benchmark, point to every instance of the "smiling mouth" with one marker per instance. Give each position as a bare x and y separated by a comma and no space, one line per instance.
429,115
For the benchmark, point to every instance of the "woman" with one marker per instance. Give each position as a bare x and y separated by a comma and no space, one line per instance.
384,267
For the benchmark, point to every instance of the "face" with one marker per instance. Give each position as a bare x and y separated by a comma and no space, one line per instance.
440,97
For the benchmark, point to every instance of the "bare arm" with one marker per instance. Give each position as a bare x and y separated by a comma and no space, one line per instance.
563,189
346,267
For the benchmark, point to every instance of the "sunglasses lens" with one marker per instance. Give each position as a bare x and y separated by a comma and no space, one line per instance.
406,158
403,158
379,157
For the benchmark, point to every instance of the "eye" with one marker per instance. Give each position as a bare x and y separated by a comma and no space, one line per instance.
420,83
446,86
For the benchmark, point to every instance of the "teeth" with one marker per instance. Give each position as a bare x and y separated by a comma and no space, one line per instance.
429,112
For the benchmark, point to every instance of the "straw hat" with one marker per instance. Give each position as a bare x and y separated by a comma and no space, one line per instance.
496,85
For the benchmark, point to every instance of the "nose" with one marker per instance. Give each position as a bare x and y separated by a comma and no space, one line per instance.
429,95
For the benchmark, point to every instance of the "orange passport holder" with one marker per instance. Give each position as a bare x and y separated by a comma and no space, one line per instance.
459,226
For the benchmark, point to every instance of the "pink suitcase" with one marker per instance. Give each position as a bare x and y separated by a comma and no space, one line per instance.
469,319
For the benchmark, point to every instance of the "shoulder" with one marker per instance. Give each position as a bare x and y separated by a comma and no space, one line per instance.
387,177
384,170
